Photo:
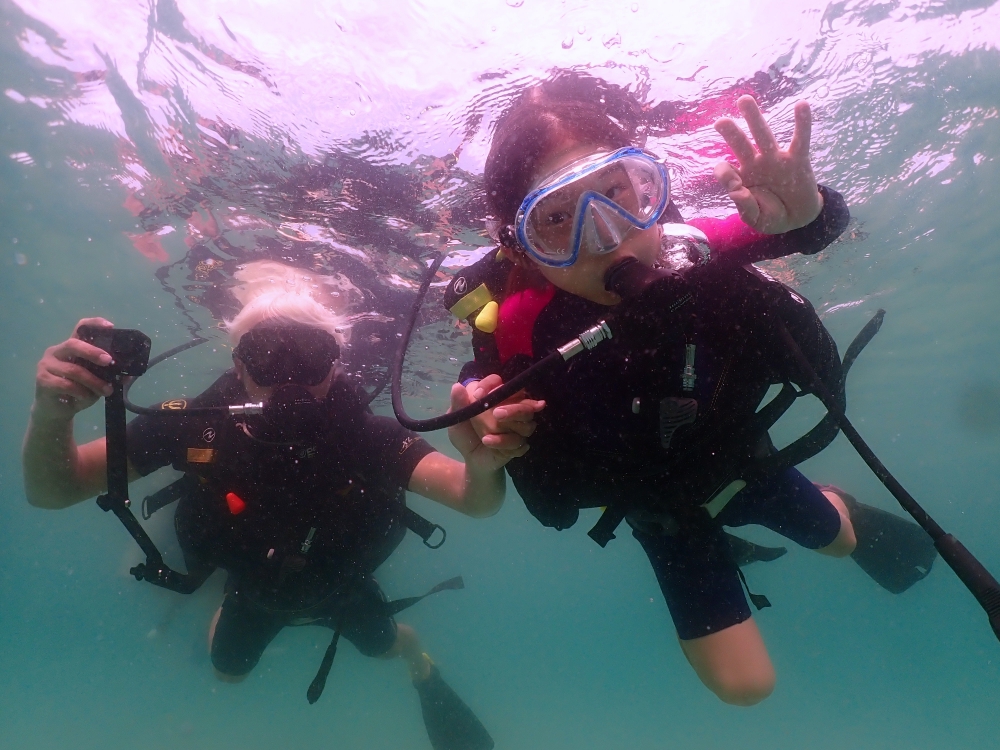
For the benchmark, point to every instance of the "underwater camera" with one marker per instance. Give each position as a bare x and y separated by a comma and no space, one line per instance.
129,350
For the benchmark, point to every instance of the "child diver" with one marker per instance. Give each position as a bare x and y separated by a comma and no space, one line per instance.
660,426
299,508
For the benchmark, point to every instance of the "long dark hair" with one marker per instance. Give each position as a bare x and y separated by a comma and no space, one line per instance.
571,106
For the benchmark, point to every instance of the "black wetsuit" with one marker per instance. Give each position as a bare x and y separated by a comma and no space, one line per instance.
299,528
617,429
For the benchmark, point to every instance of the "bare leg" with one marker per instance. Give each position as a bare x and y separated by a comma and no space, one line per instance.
846,541
733,663
407,645
231,678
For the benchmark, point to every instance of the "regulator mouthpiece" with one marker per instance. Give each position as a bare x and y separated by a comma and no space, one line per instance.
629,278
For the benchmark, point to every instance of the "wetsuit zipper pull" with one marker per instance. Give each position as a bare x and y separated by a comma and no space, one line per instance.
687,376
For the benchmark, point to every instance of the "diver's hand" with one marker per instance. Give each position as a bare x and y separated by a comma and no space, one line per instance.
62,387
506,433
503,426
774,189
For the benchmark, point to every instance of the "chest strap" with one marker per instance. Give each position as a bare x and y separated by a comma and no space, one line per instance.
189,483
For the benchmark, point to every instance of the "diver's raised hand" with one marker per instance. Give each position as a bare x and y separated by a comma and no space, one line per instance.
62,387
504,425
774,189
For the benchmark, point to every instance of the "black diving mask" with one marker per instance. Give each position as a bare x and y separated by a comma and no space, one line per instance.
289,358
276,355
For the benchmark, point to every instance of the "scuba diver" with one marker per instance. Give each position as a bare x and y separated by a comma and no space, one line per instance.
299,504
659,424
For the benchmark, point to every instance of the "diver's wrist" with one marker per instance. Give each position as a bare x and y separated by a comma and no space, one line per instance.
51,415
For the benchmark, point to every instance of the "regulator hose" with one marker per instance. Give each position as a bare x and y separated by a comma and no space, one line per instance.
476,407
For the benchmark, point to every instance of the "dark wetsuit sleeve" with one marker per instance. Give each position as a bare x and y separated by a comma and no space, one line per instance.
152,442
732,241
388,450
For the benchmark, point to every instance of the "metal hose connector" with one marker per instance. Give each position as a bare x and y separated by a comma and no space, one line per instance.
585,341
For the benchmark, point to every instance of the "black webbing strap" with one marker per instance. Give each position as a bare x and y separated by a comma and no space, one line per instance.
422,527
398,605
167,495
390,609
604,530
759,600
820,436
319,681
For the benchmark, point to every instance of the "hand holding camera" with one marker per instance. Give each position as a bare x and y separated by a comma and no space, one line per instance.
74,374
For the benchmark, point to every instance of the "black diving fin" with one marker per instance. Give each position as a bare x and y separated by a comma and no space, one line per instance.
894,552
745,552
450,723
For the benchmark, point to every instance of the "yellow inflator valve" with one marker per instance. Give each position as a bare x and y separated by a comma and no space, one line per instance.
486,321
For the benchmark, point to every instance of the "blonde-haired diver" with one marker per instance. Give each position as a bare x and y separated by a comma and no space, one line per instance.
299,507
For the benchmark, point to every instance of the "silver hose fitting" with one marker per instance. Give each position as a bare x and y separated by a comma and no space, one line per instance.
586,340
238,409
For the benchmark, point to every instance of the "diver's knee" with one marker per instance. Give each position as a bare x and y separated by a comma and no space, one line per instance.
230,678
846,541
406,636
733,663
844,544
744,689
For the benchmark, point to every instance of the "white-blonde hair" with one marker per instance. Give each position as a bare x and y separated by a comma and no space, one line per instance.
274,291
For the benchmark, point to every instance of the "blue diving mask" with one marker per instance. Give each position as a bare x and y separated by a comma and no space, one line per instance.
592,203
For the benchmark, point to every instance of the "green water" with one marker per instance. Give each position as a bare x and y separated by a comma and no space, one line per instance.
556,643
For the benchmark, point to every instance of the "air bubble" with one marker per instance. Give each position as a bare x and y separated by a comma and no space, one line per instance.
515,3
21,259
635,7
13,240
351,112
567,42
581,29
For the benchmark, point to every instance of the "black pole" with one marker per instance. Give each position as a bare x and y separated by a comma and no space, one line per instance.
971,572
117,501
